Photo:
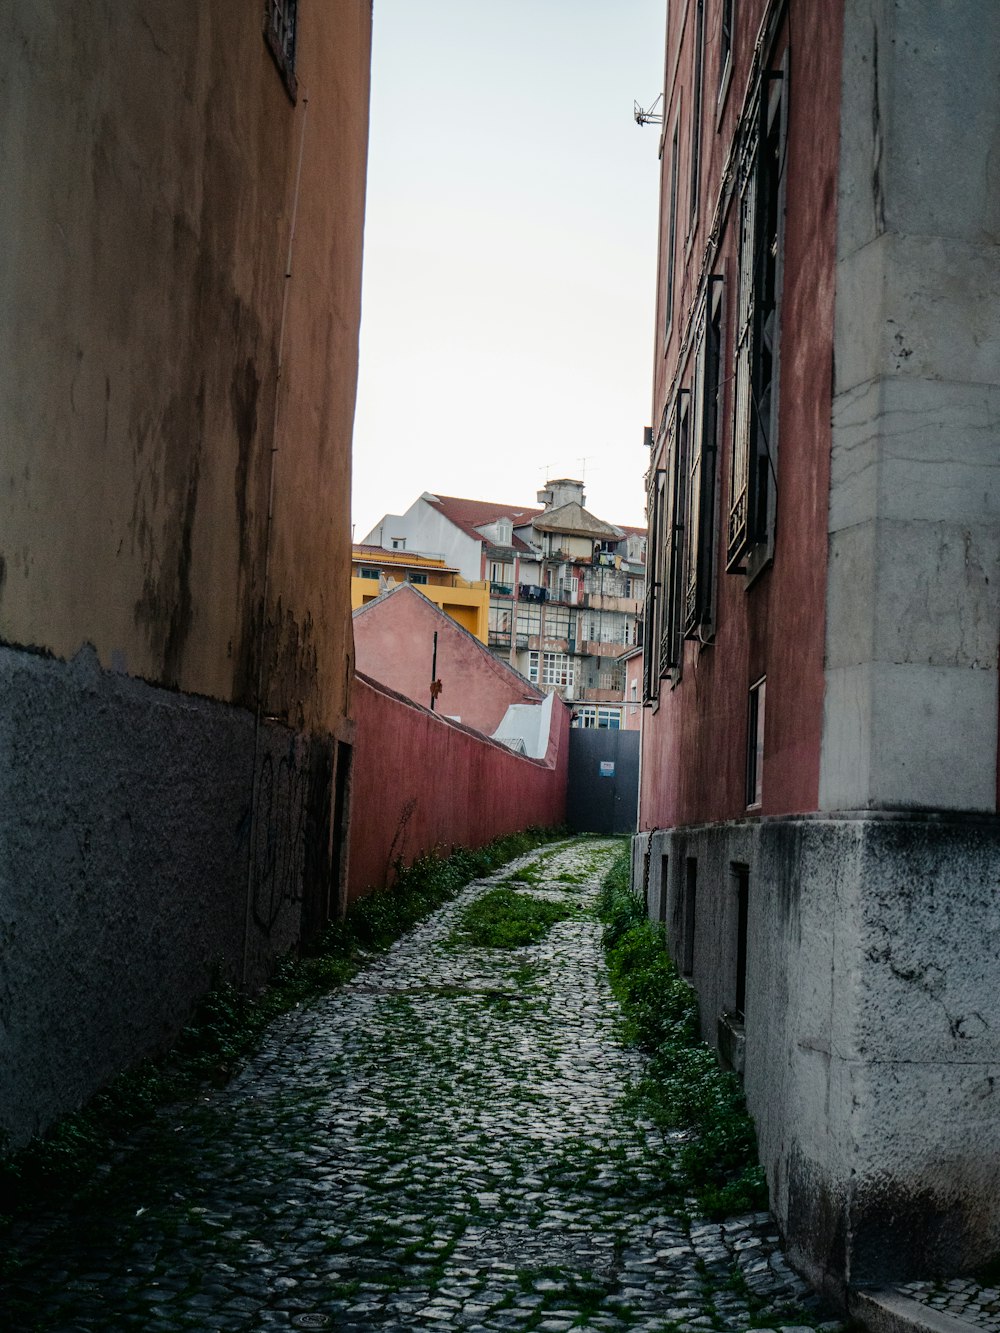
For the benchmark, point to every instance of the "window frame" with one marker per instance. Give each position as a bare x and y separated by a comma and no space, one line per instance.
281,30
752,505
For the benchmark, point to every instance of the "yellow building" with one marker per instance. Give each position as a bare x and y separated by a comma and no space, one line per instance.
373,569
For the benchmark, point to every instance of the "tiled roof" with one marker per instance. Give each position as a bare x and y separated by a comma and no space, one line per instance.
470,515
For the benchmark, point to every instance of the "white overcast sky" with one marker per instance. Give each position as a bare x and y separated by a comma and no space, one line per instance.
509,267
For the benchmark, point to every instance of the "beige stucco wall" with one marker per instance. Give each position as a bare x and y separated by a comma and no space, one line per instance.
149,155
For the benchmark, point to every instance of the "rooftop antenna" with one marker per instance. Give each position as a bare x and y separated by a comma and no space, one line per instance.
649,117
583,467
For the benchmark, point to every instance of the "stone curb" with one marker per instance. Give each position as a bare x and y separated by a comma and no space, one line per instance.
887,1310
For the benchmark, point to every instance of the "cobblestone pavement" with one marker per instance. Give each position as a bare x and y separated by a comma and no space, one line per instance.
961,1297
443,1144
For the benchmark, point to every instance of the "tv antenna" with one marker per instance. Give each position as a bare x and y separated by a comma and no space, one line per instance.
650,117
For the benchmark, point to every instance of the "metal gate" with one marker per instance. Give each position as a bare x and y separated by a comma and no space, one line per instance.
602,794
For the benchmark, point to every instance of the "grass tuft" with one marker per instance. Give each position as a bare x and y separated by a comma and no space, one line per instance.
507,919
684,1088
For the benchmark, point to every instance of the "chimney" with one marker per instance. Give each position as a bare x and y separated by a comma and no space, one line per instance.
561,492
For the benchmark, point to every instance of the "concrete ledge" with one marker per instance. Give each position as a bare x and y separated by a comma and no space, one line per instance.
886,1310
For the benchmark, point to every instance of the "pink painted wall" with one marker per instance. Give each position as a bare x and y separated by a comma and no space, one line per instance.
394,644
422,783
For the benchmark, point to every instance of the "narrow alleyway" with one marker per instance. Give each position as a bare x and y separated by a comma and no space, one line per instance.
445,1143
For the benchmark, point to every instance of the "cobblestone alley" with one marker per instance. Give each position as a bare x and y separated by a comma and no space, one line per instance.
444,1143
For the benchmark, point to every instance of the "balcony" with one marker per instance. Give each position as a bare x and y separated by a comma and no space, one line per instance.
501,590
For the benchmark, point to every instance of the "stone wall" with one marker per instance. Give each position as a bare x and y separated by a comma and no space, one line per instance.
871,1041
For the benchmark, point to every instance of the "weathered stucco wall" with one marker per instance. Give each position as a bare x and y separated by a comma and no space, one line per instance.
126,880
175,643
394,643
150,157
424,784
872,1030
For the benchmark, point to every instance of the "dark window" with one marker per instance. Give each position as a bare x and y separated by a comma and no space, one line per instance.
725,42
690,899
671,237
699,62
672,560
741,882
368,574
280,33
416,578
699,557
752,491
654,590
755,744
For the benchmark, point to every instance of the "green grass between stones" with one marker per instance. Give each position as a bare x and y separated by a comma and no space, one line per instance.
683,1088
507,919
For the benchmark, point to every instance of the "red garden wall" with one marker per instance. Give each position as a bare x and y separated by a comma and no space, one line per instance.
423,783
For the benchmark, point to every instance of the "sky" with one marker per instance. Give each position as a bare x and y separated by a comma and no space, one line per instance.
510,253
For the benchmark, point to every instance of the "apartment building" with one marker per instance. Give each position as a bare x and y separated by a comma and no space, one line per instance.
566,588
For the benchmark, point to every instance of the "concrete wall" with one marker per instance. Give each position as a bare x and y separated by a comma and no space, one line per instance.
133,870
914,576
423,784
394,643
871,1060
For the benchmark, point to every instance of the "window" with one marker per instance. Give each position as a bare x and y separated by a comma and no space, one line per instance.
699,537
668,296
416,578
653,608
753,470
596,716
741,883
690,900
504,531
399,543
725,46
755,745
499,626
364,573
672,556
696,127
279,33
502,572
550,669
529,619
664,883
557,622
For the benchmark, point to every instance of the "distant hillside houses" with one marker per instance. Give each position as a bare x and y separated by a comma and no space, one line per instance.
566,589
